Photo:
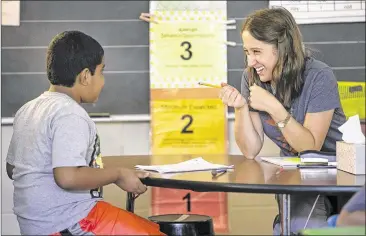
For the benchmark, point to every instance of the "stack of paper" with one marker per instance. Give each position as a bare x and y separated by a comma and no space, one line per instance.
197,164
282,161
294,161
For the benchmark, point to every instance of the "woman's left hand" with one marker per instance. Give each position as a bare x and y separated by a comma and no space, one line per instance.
262,100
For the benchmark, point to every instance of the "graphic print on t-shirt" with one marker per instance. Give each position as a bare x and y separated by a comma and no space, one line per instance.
96,162
276,135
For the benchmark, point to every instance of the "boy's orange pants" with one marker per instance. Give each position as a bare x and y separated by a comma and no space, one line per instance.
106,219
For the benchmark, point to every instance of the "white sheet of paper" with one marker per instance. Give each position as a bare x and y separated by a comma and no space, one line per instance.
197,164
10,13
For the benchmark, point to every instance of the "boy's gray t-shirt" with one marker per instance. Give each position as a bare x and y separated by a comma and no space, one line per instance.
51,131
320,93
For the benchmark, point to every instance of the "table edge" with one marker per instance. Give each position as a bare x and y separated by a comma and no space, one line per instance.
198,186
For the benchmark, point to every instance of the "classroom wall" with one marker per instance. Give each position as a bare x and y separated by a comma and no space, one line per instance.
116,26
125,38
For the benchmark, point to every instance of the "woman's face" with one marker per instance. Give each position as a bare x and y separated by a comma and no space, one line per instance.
260,55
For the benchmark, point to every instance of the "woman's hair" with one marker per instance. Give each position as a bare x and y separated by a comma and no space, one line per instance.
277,26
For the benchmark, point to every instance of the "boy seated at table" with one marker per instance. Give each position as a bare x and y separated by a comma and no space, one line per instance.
54,155
353,213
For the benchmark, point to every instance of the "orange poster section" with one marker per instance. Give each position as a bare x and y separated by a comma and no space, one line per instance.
213,204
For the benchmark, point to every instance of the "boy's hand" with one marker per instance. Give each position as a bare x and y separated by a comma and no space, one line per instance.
129,180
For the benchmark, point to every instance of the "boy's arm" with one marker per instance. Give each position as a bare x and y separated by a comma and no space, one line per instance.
84,178
10,158
72,140
9,170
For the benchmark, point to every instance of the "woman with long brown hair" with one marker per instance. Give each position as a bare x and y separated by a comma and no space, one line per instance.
287,95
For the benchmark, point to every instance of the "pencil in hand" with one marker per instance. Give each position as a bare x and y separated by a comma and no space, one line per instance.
210,85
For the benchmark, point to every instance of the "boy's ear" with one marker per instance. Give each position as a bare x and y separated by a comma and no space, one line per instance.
84,77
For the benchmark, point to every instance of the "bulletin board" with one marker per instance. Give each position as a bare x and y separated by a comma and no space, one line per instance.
309,12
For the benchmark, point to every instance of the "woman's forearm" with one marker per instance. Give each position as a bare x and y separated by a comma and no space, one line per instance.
297,136
247,138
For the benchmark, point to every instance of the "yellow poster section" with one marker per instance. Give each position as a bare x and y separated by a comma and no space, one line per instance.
185,52
188,126
187,47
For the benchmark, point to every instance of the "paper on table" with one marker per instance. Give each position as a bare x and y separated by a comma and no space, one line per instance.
293,161
352,131
282,161
197,164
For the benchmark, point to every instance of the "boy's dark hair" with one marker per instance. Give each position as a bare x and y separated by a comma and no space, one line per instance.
68,54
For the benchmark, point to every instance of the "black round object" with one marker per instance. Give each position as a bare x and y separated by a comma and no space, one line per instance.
184,224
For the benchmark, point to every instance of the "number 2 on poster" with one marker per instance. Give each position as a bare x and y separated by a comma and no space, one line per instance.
186,129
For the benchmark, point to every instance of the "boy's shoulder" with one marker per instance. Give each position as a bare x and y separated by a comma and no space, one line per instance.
51,105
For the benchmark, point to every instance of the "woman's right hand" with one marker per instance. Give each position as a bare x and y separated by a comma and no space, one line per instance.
230,96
